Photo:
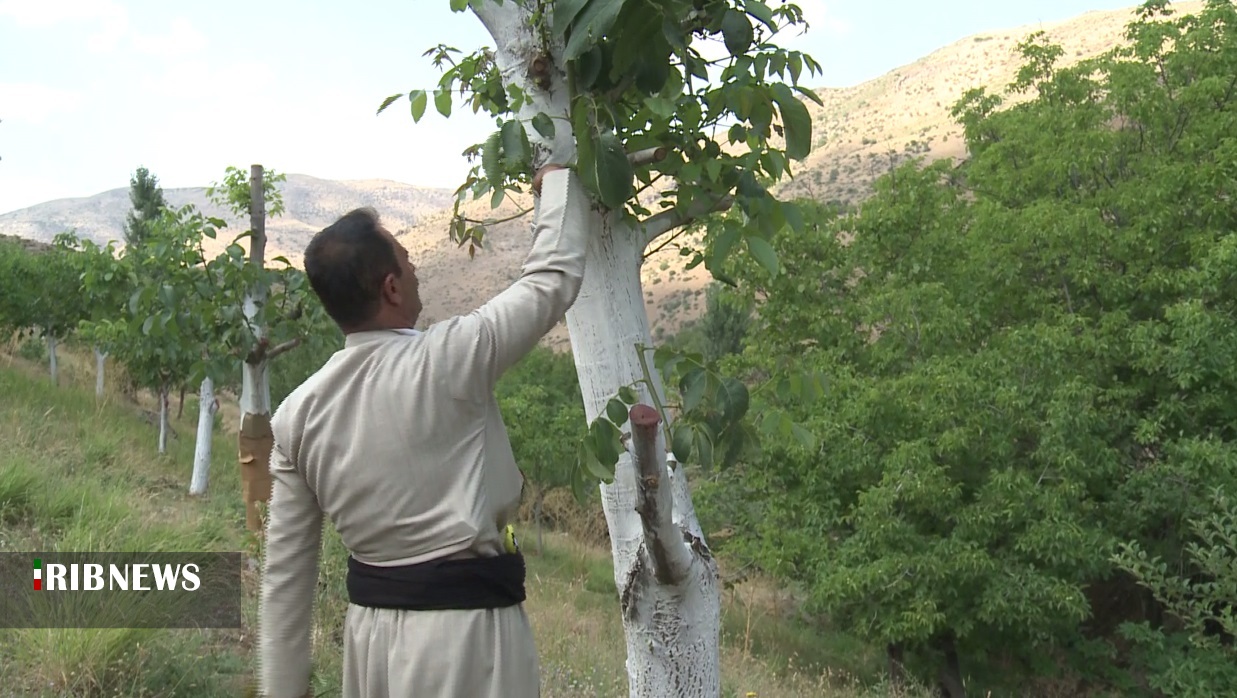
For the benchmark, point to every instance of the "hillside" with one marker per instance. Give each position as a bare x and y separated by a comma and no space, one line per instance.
859,133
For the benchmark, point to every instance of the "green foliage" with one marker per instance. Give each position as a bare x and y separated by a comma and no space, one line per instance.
40,293
1197,657
235,193
543,410
1031,363
164,330
148,205
637,80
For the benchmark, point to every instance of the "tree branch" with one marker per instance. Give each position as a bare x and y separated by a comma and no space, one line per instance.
661,223
647,156
670,558
284,348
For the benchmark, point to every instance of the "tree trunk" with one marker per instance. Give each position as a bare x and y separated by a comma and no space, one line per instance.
950,676
180,411
99,360
538,499
255,439
206,429
672,622
55,365
673,629
163,419
897,666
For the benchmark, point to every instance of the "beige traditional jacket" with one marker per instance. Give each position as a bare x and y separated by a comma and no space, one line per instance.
398,440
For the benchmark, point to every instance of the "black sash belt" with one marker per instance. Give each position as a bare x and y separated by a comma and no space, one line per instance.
438,585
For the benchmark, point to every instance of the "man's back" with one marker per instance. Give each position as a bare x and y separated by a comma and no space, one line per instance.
399,442
405,467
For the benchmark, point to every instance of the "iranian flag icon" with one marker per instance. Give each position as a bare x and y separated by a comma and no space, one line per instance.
38,574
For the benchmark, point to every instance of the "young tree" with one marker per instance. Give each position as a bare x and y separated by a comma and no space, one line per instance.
104,290
621,90
165,328
148,204
58,304
267,327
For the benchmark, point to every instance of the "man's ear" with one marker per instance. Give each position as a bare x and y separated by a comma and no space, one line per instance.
391,289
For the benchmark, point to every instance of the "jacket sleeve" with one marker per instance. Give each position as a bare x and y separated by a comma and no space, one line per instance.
289,581
490,340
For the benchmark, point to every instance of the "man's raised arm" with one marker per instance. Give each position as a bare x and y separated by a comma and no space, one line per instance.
505,329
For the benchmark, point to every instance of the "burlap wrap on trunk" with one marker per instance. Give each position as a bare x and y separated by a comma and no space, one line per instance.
256,442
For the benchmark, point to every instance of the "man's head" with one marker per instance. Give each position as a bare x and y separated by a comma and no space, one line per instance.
363,275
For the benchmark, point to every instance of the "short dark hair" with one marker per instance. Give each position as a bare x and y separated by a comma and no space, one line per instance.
346,264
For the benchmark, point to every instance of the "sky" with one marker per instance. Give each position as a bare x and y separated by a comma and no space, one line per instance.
92,89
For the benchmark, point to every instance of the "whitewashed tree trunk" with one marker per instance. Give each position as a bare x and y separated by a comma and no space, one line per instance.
255,440
206,429
55,365
673,623
163,420
99,360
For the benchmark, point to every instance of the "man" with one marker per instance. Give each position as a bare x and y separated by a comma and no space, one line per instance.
398,440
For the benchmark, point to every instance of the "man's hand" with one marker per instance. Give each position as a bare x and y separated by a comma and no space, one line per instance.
540,174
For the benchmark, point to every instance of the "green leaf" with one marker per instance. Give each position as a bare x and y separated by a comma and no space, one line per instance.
613,172
565,11
388,102
805,438
761,11
459,5
588,68
810,95
704,447
616,411
681,442
514,140
692,386
627,395
590,26
735,399
763,252
737,32
418,101
442,102
796,122
606,443
491,160
544,125
586,152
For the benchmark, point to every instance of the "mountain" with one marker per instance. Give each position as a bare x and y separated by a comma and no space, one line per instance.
860,132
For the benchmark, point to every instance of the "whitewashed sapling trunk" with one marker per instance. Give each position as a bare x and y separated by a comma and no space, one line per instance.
55,365
206,428
100,359
672,621
255,439
163,419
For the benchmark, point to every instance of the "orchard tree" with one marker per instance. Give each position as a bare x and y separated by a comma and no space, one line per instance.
1033,366
267,326
620,89
104,288
166,327
57,304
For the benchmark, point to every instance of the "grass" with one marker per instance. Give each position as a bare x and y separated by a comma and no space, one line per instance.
77,474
